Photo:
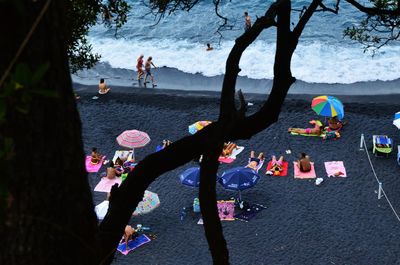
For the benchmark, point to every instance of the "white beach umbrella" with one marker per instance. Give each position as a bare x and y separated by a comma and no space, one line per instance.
396,121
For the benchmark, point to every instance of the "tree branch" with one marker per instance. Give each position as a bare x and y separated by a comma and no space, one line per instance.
372,11
305,18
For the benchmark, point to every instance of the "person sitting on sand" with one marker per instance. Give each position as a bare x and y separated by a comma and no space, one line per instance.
317,130
129,234
334,124
254,161
228,149
119,166
209,48
96,157
304,163
111,171
103,89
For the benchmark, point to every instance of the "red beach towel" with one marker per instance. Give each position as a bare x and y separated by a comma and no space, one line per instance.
285,166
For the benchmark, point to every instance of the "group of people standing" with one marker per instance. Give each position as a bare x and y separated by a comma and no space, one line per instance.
147,70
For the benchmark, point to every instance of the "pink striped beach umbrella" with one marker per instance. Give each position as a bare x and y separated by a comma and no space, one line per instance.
133,139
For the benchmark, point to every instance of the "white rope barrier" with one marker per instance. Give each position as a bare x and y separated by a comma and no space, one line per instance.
363,146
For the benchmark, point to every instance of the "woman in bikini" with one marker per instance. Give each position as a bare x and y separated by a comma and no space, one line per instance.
254,161
111,171
317,130
139,67
277,165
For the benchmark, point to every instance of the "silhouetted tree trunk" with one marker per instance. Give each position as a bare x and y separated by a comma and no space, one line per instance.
50,217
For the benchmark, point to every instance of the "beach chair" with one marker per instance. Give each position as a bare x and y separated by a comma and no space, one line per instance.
382,145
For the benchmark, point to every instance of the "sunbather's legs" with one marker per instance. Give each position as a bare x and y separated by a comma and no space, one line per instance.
261,156
252,154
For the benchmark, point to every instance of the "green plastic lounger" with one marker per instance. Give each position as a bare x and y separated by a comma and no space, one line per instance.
382,145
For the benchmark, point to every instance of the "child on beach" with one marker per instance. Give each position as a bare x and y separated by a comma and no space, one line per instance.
96,157
147,68
247,21
103,89
139,67
304,163
317,130
254,162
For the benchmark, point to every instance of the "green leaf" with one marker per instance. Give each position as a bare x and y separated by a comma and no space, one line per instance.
39,73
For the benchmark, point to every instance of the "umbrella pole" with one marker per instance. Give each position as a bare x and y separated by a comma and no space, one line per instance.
240,196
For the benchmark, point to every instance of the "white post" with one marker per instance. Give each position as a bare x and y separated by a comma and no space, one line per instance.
380,191
362,142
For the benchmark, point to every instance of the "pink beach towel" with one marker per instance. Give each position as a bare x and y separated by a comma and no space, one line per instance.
335,169
226,210
105,184
93,168
304,175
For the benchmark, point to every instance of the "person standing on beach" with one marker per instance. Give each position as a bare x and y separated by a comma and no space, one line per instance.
139,67
209,48
147,68
247,22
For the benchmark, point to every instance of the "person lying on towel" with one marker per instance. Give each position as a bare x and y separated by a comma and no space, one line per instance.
277,165
304,163
96,157
228,149
317,130
254,161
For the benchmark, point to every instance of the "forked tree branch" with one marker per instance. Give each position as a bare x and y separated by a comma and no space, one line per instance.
372,11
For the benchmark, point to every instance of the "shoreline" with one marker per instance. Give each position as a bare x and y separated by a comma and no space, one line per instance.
88,91
173,79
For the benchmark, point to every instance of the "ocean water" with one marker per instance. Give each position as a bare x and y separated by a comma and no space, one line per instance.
179,41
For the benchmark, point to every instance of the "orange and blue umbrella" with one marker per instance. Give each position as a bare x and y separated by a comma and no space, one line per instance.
328,106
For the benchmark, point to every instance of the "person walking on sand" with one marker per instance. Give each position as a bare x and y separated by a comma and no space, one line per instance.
139,67
247,21
209,48
147,68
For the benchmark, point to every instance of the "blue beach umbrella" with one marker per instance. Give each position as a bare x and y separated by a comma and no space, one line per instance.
396,121
191,177
238,179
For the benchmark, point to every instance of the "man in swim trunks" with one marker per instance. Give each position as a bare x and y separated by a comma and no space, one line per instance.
139,67
147,68
103,88
304,163
247,21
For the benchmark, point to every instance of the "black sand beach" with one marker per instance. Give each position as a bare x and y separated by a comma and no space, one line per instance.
341,222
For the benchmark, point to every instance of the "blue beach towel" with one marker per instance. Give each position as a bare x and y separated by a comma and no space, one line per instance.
133,244
250,212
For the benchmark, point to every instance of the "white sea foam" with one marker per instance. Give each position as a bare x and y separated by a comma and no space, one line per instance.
313,62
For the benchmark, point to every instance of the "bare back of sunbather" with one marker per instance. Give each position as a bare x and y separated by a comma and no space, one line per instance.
111,173
304,164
